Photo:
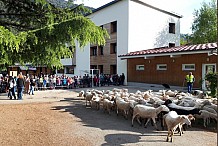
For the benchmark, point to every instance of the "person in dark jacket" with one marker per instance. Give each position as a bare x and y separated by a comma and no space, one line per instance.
122,79
20,86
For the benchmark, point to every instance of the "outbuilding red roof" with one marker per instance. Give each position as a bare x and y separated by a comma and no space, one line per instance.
188,48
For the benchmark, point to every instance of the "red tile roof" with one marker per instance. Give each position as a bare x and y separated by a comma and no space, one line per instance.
189,48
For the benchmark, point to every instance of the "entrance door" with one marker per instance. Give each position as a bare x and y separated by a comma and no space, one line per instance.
207,68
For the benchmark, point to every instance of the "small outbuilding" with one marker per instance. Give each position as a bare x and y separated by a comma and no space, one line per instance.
170,65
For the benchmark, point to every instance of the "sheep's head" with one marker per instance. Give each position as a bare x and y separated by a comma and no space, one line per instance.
186,119
165,108
191,117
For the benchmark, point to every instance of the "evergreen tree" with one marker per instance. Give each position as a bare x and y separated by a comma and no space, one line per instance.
37,31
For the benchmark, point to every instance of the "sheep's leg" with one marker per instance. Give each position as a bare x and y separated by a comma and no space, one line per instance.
168,135
138,120
205,122
161,120
126,114
180,129
208,121
133,117
172,133
152,123
155,125
147,122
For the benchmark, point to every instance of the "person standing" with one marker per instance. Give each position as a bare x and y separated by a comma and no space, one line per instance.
190,79
11,87
122,79
20,86
32,84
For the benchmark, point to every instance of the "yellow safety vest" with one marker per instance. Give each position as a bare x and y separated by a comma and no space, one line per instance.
190,78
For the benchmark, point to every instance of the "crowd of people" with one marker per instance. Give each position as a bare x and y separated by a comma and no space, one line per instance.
30,83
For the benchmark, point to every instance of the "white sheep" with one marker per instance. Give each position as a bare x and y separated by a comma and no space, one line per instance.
107,105
206,116
123,105
190,117
148,112
88,96
207,108
212,106
173,121
125,90
95,102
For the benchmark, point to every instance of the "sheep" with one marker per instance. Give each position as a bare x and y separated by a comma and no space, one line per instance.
206,115
107,105
95,102
81,93
88,96
122,105
133,98
171,93
213,106
146,95
148,112
181,125
207,108
172,121
125,90
99,92
116,90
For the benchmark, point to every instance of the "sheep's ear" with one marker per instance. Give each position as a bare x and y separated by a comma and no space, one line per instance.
183,117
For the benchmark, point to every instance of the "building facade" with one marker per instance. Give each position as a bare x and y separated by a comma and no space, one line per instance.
132,25
171,65
28,70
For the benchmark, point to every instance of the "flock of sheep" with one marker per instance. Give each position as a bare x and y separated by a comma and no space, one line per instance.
172,107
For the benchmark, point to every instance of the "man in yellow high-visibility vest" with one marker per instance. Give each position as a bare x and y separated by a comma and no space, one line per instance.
190,80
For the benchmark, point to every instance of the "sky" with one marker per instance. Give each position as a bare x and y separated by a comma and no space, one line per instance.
182,7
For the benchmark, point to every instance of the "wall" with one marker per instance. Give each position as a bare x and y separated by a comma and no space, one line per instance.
149,28
173,75
82,60
117,12
107,58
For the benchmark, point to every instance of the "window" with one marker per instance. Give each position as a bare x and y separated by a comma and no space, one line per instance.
113,48
188,66
100,50
172,28
60,71
113,26
100,67
161,67
69,70
113,69
93,51
171,45
140,67
93,67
